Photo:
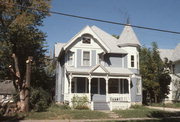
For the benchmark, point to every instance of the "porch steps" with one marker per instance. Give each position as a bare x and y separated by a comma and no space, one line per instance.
101,106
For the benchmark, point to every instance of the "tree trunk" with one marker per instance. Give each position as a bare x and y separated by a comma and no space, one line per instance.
22,85
27,84
22,98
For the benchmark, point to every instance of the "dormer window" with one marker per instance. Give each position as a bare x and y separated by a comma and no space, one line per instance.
86,40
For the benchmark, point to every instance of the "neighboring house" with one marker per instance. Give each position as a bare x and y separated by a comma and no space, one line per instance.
174,56
7,91
97,65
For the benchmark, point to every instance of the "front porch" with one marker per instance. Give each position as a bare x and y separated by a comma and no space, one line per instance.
102,92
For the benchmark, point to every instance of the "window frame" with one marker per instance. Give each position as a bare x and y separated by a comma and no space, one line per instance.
82,60
85,37
68,57
132,61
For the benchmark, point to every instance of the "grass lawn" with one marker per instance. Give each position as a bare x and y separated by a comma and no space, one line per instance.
57,112
140,112
62,112
169,105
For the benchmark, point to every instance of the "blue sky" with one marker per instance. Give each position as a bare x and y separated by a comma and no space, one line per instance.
163,14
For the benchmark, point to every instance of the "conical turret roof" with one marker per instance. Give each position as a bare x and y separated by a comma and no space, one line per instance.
128,37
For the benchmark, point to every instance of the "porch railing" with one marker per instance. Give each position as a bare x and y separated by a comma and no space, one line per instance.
69,97
118,97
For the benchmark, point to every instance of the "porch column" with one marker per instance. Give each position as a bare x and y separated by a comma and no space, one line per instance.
89,78
129,83
107,89
70,84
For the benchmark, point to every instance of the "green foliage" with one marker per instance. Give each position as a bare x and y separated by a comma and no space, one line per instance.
154,74
39,99
4,59
80,102
20,34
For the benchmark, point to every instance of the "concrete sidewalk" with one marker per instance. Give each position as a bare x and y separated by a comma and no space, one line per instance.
165,109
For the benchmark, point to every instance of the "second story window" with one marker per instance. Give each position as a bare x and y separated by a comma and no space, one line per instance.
86,58
132,60
70,58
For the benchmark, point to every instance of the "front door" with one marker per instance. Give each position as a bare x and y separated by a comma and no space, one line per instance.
98,88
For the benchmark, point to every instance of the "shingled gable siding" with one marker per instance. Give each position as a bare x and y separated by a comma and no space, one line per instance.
115,60
79,56
134,96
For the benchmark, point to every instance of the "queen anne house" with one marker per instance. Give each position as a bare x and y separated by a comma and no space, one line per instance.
101,67
174,56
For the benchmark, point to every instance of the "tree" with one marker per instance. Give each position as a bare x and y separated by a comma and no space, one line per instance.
154,74
22,38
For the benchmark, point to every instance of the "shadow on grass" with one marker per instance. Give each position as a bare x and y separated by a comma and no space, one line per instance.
163,114
155,120
14,118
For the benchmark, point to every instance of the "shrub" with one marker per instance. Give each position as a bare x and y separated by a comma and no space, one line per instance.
80,102
39,99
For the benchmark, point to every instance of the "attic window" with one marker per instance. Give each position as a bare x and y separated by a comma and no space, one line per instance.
86,40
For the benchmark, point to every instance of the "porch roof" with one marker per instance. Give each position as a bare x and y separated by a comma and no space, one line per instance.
110,71
119,71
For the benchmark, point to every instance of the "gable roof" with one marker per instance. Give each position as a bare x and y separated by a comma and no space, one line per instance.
85,30
108,43
58,48
128,37
109,40
99,69
176,54
171,54
166,53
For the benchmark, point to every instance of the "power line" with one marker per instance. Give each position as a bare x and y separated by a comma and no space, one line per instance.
99,20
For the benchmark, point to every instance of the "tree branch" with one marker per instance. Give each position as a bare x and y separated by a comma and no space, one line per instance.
16,65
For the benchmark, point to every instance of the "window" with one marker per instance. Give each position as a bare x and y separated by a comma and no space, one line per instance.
124,86
113,86
137,62
132,61
70,58
138,86
86,58
86,40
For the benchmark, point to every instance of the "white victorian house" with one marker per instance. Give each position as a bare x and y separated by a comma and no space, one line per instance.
97,65
174,56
